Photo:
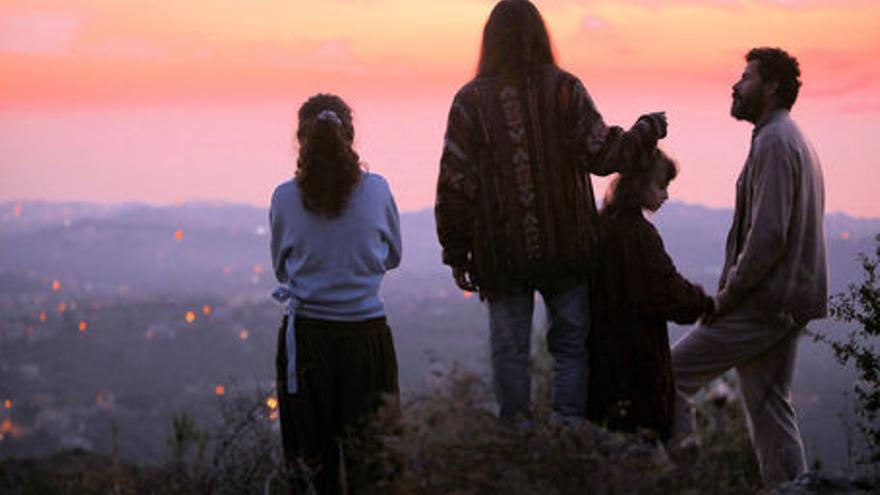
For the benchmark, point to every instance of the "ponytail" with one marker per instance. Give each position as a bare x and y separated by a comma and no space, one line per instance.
328,169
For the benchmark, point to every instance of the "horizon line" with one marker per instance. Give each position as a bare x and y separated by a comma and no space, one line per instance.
220,203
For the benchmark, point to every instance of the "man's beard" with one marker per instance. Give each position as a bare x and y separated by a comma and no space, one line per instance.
746,106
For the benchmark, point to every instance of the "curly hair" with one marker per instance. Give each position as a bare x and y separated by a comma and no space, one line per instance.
327,169
625,191
775,64
515,40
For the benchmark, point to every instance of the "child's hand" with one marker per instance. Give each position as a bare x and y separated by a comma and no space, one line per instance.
711,315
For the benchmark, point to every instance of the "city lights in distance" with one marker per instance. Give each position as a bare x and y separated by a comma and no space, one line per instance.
83,326
272,405
258,269
178,235
56,285
845,236
62,307
190,316
219,390
206,309
244,334
42,317
7,404
16,211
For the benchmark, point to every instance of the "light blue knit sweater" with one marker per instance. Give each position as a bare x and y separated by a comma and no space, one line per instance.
334,266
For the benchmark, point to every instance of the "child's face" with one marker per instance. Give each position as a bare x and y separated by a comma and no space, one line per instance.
656,194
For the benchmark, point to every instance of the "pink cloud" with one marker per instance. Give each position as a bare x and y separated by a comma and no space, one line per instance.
38,33
334,55
833,73
130,49
868,108
592,22
733,4
834,89
808,4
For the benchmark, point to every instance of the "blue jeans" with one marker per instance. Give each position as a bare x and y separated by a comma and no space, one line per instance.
510,328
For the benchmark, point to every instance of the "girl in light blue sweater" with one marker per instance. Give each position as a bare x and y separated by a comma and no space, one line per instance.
335,232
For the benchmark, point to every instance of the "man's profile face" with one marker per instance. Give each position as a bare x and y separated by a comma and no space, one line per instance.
749,98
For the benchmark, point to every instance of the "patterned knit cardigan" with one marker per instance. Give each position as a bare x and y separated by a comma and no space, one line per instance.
515,204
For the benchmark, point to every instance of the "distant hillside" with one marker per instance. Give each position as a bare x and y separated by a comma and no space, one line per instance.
94,301
217,248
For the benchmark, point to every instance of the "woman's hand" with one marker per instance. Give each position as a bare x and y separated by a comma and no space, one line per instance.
661,125
464,279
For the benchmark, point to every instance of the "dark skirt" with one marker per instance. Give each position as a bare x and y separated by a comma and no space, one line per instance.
346,371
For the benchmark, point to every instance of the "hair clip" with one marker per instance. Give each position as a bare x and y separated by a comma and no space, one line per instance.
329,115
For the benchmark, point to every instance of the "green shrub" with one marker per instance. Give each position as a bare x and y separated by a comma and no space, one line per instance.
860,306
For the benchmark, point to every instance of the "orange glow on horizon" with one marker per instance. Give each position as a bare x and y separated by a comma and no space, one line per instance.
76,51
93,77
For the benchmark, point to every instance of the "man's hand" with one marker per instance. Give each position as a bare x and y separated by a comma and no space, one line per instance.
464,279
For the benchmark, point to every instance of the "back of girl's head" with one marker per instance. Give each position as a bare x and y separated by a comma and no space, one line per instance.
626,191
327,169
515,40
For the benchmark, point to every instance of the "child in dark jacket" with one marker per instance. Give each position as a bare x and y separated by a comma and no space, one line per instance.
637,291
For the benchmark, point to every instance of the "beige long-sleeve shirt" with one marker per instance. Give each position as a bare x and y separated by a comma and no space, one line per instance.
775,261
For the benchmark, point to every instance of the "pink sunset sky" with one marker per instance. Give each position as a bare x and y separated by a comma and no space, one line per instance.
161,102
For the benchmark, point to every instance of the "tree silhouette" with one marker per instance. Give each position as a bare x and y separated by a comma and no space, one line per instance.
860,305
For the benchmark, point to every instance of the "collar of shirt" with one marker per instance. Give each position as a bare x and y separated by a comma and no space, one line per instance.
774,115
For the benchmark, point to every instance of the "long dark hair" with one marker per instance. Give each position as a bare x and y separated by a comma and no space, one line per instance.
625,191
327,169
515,40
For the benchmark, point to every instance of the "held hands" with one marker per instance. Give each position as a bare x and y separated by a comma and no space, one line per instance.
712,312
464,279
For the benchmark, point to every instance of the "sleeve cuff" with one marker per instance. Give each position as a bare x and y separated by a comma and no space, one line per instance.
455,260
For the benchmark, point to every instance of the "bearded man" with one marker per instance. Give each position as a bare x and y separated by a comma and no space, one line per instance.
775,276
